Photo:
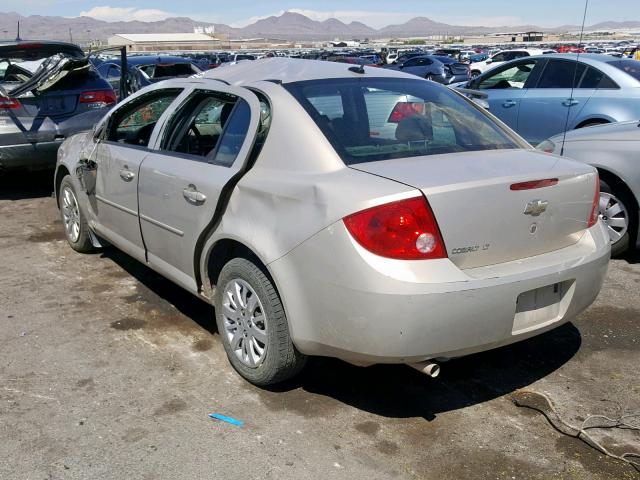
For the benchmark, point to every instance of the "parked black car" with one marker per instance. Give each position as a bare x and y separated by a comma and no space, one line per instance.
48,91
144,70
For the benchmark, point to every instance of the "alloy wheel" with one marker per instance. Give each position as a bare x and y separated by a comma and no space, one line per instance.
70,214
245,322
614,215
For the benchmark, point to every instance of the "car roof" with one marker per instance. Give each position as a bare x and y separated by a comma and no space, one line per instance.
289,70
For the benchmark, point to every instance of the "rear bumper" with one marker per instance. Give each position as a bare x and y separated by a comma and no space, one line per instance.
31,156
344,302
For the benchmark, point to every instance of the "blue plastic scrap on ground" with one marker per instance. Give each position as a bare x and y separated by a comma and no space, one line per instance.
224,418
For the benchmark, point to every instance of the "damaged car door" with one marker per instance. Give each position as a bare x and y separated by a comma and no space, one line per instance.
205,145
124,144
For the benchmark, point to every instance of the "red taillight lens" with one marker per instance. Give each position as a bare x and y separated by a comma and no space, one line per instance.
404,230
403,110
98,96
9,103
593,217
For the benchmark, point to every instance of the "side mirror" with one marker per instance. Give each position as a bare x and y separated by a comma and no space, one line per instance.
489,61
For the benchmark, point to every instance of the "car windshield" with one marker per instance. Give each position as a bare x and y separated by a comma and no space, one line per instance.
166,70
631,67
373,119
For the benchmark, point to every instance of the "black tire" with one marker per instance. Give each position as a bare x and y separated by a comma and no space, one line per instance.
618,190
82,243
282,360
475,73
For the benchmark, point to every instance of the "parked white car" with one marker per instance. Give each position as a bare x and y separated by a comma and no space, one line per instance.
502,57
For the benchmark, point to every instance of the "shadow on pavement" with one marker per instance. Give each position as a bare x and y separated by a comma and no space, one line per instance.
24,185
395,391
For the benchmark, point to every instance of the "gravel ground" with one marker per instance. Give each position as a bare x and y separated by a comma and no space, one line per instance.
108,371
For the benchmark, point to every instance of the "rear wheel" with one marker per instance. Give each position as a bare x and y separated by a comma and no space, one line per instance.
475,73
615,209
253,326
75,226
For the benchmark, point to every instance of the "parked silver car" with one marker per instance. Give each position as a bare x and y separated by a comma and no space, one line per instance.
615,151
274,190
540,96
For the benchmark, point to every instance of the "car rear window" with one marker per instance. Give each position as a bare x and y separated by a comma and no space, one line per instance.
631,67
373,119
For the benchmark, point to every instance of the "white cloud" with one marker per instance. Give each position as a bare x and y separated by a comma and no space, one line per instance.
124,14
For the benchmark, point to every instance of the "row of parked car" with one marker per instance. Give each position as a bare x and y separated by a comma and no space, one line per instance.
50,90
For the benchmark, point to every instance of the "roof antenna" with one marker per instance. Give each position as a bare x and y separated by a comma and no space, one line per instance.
359,69
573,83
18,39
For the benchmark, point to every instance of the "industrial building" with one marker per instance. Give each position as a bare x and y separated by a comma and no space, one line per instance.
156,42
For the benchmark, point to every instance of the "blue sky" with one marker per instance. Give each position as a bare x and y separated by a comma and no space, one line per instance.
376,13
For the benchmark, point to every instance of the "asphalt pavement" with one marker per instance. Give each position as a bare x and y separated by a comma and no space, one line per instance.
109,371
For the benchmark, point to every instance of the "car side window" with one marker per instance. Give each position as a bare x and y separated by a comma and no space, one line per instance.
513,76
412,62
498,57
210,126
594,78
424,61
328,104
561,74
133,123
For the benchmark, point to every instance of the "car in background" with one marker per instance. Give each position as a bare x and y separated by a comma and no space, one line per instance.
614,149
144,70
501,57
48,91
478,57
261,188
544,95
440,69
365,62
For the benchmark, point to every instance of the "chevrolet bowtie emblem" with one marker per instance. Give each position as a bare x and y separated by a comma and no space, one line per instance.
536,207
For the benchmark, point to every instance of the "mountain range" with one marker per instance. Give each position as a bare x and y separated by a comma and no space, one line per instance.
288,26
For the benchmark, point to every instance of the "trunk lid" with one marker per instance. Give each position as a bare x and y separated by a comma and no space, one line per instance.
481,218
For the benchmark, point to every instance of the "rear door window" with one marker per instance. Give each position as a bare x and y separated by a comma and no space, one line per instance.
561,74
210,127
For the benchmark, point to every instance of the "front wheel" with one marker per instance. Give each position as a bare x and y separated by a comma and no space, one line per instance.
253,326
76,229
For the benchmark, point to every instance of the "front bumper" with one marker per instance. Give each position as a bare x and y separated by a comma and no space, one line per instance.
345,302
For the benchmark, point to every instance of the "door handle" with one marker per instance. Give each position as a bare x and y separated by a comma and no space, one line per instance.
509,103
570,102
192,195
127,175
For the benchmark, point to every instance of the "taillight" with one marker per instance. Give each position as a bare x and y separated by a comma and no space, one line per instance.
593,217
403,230
104,97
9,103
403,110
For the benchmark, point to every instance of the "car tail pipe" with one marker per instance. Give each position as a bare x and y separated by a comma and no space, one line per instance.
428,367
